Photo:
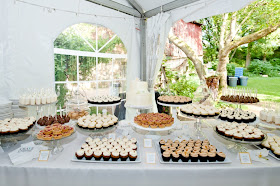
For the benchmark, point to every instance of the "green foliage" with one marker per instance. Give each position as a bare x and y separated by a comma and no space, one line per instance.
259,67
184,87
231,69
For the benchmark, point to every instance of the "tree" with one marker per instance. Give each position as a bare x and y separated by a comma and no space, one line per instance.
249,24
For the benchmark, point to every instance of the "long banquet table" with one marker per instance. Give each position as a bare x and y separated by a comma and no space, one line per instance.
60,170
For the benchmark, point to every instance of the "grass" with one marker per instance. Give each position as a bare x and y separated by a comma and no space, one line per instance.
268,88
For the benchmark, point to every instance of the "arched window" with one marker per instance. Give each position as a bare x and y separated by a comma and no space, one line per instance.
89,57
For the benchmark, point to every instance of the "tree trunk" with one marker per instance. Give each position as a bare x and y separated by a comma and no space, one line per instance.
190,54
264,57
222,69
248,56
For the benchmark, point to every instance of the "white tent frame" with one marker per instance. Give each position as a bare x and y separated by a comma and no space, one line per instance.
138,12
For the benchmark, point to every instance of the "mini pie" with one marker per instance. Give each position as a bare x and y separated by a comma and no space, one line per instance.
154,120
174,99
55,131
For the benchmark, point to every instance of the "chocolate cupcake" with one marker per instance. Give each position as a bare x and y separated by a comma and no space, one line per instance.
115,155
80,154
97,154
166,156
203,157
175,157
211,156
221,156
132,155
164,148
185,156
106,155
161,142
88,154
194,157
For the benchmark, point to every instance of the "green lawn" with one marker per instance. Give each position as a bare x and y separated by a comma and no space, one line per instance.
268,88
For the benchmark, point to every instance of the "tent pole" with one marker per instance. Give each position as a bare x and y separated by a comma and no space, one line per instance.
143,61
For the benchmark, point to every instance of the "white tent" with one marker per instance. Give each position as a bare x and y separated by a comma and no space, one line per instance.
29,27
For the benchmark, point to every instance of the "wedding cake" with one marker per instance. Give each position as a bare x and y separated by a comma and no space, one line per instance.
138,94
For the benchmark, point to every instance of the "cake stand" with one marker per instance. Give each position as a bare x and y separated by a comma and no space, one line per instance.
174,112
238,144
239,104
105,105
197,125
96,132
56,144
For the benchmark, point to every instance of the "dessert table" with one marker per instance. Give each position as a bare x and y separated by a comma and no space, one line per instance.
60,170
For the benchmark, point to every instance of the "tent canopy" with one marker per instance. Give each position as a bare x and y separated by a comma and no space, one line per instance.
29,27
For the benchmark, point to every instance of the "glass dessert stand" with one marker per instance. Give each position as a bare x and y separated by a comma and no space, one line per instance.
55,145
239,105
153,132
238,145
174,113
198,123
96,132
105,105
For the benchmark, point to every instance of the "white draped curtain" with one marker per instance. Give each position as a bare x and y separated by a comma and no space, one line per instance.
157,32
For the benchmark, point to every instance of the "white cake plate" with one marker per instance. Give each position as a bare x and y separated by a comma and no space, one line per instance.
104,105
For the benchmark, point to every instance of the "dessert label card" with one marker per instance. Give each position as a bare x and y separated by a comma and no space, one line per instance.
148,143
44,155
112,135
245,158
151,158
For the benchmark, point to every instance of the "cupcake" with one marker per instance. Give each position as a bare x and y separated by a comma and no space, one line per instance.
80,154
194,157
133,146
97,154
277,153
163,148
133,140
132,155
88,154
212,156
203,157
185,156
123,155
175,156
238,136
166,156
221,156
115,155
161,142
106,155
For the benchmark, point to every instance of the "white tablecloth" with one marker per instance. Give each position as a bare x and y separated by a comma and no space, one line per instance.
60,170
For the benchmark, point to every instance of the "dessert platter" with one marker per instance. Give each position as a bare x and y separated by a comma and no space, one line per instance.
240,96
49,120
174,100
237,115
153,122
55,132
199,111
97,123
104,100
15,127
240,133
272,143
119,151
189,152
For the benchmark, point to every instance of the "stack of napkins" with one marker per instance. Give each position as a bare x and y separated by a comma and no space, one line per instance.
26,152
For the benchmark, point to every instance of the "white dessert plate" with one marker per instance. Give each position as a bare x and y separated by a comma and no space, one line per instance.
227,160
104,105
269,152
138,159
172,104
151,129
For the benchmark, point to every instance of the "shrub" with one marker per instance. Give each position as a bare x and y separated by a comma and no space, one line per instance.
263,67
231,69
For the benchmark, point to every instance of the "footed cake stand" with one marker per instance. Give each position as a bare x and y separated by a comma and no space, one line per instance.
105,105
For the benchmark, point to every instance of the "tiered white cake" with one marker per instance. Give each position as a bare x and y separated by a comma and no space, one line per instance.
138,94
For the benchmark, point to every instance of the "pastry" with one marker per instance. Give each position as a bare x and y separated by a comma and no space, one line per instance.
221,156
154,120
174,99
55,131
97,121
199,110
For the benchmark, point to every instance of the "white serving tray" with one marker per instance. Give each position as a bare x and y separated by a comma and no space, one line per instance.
269,152
226,161
83,160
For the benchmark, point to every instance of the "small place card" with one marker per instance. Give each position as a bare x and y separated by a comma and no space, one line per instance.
245,158
148,143
151,158
44,155
112,135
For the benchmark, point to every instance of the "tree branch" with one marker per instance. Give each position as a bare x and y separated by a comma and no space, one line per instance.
223,29
250,38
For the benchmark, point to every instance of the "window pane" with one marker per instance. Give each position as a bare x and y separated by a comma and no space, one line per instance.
65,67
80,37
88,88
104,68
104,88
87,68
119,68
64,92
